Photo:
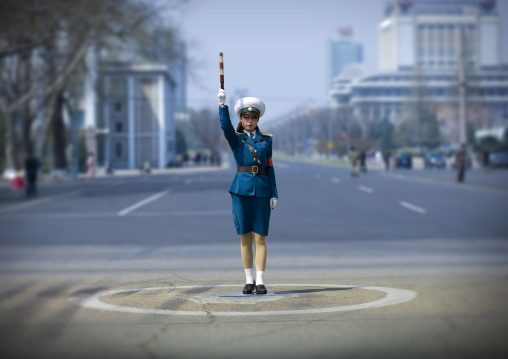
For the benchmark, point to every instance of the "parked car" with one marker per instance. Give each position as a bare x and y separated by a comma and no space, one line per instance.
404,160
498,159
434,160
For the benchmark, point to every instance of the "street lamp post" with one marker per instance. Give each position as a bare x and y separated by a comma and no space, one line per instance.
462,88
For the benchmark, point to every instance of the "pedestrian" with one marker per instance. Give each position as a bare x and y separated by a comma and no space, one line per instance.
486,160
353,161
147,167
253,191
363,161
386,159
32,165
395,161
90,162
109,167
18,184
461,162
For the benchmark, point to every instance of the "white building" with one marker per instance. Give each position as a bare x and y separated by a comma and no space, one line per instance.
426,33
138,112
419,52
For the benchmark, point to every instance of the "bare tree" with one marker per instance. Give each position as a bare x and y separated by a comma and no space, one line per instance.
206,126
43,45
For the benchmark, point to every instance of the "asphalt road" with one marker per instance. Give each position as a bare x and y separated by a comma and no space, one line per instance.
166,242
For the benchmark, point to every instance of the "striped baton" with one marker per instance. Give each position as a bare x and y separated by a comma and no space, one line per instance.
221,59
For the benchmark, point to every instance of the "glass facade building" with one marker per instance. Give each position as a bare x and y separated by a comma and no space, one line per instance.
341,52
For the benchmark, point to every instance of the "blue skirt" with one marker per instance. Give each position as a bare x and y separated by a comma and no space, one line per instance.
251,214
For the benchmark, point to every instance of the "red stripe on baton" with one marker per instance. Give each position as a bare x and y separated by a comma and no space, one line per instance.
221,66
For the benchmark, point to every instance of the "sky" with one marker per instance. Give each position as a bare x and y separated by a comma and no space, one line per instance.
275,50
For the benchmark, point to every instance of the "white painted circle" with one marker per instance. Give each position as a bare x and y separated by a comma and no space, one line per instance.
393,296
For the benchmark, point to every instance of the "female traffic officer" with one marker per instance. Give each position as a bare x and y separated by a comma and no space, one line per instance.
253,191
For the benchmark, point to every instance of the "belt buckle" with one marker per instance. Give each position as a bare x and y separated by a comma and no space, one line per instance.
256,171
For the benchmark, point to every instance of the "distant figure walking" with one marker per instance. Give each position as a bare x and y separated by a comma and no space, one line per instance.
147,168
18,183
363,161
461,162
353,161
90,162
32,165
386,159
486,160
109,167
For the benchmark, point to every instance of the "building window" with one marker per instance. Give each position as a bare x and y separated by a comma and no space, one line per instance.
118,127
118,106
118,149
117,86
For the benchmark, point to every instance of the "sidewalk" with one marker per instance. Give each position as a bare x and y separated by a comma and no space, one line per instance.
101,173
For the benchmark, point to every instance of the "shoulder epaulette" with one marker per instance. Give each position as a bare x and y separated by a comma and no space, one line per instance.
239,133
267,134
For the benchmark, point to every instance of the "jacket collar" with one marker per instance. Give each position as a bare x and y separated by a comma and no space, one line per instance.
256,135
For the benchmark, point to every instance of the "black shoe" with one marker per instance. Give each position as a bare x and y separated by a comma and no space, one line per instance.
248,289
261,289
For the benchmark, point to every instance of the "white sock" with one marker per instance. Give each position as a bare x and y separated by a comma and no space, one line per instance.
259,277
249,276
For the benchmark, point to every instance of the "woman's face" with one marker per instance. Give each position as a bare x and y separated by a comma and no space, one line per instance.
249,121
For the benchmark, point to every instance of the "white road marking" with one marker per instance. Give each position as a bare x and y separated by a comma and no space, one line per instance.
185,213
34,202
143,202
412,207
366,189
335,180
115,214
393,296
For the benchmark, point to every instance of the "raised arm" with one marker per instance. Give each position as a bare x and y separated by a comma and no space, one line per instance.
225,121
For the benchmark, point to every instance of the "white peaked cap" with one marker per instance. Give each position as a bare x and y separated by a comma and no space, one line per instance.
247,102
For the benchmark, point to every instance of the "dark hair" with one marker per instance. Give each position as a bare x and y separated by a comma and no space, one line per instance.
240,128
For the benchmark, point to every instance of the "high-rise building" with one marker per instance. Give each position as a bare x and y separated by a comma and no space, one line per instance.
340,52
419,48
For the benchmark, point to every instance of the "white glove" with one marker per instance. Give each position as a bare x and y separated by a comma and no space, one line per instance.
222,97
273,202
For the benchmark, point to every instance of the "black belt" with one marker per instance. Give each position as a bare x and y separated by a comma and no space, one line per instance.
252,169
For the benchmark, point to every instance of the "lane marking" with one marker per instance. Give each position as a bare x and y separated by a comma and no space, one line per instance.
185,213
143,202
114,214
412,207
34,202
393,296
366,189
335,180
447,183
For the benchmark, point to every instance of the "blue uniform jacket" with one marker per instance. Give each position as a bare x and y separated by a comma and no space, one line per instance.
246,183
